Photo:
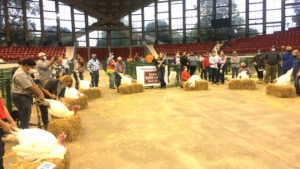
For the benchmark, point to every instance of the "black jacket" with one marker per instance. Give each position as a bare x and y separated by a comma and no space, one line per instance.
259,59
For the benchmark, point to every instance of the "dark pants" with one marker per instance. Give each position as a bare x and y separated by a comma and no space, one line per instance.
161,77
80,74
205,72
213,74
178,72
95,78
221,75
2,149
271,71
23,104
260,74
192,70
297,84
235,72
44,113
118,79
66,71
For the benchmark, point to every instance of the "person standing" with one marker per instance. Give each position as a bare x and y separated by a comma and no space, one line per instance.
22,89
44,67
235,63
271,59
258,62
160,64
4,128
287,60
296,71
213,62
57,69
149,58
205,65
65,64
176,62
120,69
184,61
193,64
93,67
137,57
78,69
221,68
111,70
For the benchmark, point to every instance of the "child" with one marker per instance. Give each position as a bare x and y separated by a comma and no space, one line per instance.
185,75
205,65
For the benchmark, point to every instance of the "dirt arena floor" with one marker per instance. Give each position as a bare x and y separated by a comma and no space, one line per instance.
175,129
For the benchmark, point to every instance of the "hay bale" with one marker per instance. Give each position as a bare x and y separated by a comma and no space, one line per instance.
281,91
60,164
199,85
82,102
71,126
245,84
137,88
125,89
92,93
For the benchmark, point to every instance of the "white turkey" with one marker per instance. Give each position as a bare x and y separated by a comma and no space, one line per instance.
72,93
243,75
284,79
58,109
84,84
125,80
172,78
192,80
38,144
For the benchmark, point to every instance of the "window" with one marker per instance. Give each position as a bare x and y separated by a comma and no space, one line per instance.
136,18
292,13
206,13
149,21
191,14
33,15
35,38
98,38
65,18
119,38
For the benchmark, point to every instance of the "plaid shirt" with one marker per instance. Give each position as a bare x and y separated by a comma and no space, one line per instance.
93,66
57,70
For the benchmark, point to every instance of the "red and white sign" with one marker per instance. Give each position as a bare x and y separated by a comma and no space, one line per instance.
147,75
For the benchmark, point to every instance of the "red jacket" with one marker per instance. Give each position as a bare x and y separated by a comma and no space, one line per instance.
2,113
205,62
185,76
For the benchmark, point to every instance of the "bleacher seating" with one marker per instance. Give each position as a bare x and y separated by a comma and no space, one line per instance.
102,53
264,42
171,49
15,53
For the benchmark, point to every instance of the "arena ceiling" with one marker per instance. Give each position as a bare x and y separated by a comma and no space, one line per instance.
108,12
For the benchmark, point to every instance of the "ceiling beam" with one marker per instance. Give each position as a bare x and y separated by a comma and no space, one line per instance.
109,28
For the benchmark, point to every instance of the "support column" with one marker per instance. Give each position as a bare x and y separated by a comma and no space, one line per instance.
58,23
198,20
264,17
214,17
143,24
130,34
247,19
184,21
25,24
73,24
156,21
109,41
42,23
230,17
87,34
170,21
283,15
8,40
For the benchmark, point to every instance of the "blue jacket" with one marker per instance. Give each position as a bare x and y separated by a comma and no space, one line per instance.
287,59
296,65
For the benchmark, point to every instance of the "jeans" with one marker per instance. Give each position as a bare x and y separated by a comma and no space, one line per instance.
213,74
76,74
2,149
111,80
235,72
66,71
44,113
23,104
205,71
192,70
178,72
271,71
95,78
118,79
297,84
161,77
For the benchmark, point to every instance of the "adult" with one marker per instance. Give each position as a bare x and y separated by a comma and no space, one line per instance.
78,69
205,65
287,60
193,64
54,89
65,64
44,67
258,62
111,70
235,64
120,69
160,64
93,67
184,61
57,69
149,58
22,89
221,68
244,68
271,59
296,71
176,62
129,59
213,62
137,57
4,128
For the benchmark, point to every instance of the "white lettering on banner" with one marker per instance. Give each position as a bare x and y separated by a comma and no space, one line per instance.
147,75
46,165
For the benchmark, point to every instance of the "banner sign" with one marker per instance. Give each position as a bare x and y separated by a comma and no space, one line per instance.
147,75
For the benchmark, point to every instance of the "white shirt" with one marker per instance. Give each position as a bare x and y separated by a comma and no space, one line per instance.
213,61
65,63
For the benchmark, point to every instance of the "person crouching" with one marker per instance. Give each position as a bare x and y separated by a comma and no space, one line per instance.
185,75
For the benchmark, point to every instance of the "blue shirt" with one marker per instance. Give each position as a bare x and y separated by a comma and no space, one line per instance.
287,59
296,65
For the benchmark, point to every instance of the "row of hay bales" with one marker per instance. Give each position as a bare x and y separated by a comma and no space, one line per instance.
249,84
133,88
71,126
